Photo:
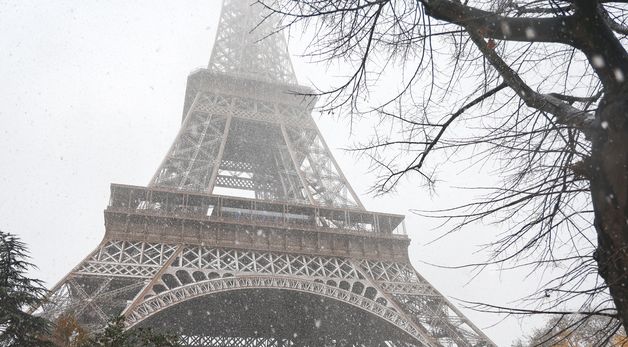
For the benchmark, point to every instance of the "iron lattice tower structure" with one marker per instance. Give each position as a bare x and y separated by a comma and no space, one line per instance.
293,259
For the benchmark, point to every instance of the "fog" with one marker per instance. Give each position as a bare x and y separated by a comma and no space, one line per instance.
92,94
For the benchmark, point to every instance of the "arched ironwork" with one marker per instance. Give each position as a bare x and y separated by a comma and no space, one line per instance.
170,298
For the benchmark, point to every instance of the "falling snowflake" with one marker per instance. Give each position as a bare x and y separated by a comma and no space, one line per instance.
530,33
598,61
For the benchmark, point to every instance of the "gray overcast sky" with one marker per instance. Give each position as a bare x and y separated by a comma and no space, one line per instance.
91,94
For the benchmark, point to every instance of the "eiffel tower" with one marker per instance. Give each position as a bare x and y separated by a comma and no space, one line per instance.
249,234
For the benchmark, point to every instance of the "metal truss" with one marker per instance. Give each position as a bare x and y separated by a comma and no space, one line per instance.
272,149
326,183
247,261
230,341
155,304
92,300
424,304
246,45
142,211
191,159
300,233
127,259
142,279
245,129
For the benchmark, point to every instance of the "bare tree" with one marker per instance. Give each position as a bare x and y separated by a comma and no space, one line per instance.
576,331
534,87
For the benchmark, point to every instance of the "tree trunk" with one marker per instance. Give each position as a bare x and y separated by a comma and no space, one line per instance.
609,193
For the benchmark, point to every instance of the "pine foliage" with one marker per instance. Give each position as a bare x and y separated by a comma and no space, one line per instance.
17,293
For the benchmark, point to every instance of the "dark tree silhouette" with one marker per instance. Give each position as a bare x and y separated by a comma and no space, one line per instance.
533,87
17,293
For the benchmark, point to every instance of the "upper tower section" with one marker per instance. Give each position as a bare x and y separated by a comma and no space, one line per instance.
247,45
247,128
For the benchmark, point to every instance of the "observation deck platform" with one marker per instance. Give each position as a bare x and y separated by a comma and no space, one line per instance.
164,215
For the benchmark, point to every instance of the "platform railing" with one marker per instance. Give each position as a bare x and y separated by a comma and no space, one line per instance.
272,213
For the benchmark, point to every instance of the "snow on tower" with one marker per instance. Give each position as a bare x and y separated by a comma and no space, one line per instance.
249,234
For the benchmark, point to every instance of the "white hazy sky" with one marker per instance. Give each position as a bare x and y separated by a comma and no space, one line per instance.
91,93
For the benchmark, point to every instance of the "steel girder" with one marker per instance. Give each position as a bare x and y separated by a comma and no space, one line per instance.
247,126
271,149
246,45
230,341
141,279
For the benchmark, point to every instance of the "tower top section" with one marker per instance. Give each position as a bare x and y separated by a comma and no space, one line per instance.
248,46
246,132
